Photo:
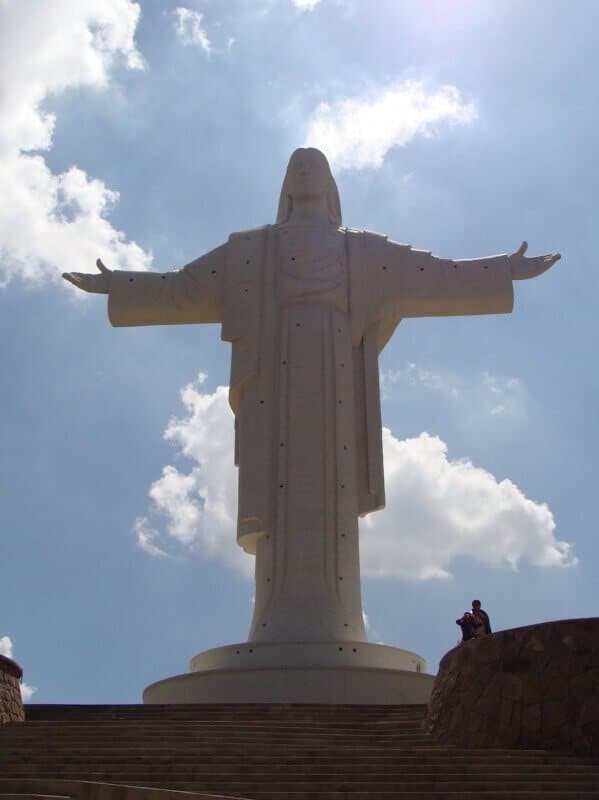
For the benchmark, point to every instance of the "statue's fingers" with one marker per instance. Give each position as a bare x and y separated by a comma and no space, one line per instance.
522,249
101,266
72,277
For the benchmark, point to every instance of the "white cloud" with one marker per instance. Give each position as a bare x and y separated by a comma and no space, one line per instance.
484,394
27,691
52,223
500,385
373,634
6,649
189,28
305,5
199,506
437,509
358,132
508,394
146,536
415,375
6,646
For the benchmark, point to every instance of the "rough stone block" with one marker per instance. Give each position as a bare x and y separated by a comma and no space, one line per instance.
536,686
11,704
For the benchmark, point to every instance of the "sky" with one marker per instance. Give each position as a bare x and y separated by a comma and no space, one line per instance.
144,134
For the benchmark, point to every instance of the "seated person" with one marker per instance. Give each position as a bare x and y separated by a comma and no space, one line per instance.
469,625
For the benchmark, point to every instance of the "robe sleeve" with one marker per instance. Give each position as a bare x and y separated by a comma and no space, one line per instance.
417,284
191,294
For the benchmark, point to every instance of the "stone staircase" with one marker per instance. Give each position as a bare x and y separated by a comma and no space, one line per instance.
265,752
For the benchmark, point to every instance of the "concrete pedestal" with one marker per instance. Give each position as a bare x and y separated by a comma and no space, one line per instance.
299,672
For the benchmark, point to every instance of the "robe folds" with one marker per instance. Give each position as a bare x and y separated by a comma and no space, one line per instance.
304,388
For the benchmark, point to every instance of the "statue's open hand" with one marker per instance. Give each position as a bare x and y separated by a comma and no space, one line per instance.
91,283
524,268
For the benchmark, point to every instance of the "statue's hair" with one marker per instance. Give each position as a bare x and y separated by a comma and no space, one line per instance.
333,204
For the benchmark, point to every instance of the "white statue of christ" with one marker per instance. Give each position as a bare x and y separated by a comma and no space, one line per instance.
308,305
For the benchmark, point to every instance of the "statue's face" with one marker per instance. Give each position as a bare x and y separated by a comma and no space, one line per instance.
308,175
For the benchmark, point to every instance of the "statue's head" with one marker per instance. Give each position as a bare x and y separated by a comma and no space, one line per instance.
308,176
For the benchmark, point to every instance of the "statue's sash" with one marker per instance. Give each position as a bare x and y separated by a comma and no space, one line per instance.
244,289
366,259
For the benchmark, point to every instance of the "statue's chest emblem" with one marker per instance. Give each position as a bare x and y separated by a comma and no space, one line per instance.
310,256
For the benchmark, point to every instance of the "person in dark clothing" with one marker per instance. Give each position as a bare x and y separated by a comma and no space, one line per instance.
478,612
468,623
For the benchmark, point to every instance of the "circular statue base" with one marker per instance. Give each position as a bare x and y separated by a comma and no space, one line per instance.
299,672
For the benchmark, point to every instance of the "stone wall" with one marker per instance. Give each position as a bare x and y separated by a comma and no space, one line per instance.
11,705
536,686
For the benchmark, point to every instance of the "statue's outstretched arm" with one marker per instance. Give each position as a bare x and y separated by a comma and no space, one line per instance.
524,268
191,294
419,284
98,284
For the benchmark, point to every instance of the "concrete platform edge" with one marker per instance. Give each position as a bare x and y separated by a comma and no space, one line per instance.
326,685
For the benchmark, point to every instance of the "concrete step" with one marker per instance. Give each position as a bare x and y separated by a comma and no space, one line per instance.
307,768
284,752
227,724
43,713
315,789
261,710
198,717
292,755
115,724
197,733
89,790
231,735
135,774
291,759
31,796
401,795
239,784
217,779
286,755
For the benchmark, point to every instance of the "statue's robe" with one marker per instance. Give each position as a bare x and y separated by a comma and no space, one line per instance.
304,389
